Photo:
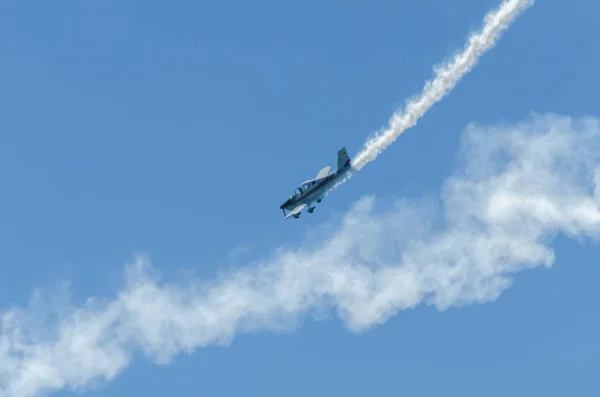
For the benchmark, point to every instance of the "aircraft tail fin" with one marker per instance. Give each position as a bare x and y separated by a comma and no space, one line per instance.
342,158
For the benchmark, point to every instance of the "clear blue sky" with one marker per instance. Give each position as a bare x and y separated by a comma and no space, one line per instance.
178,129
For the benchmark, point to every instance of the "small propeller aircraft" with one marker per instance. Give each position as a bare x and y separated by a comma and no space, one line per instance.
315,189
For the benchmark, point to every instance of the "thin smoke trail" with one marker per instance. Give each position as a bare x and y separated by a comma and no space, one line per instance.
446,78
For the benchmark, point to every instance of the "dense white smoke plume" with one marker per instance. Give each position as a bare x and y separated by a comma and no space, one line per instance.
519,186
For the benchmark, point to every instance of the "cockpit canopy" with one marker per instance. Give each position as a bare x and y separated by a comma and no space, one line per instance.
303,188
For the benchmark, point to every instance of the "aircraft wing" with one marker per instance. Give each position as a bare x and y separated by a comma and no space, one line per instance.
324,172
296,210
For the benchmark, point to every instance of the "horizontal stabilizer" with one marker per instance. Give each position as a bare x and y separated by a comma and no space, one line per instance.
324,172
296,210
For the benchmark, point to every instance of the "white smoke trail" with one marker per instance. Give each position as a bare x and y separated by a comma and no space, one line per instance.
519,186
446,77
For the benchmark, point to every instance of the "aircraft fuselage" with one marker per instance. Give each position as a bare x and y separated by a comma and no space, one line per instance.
314,190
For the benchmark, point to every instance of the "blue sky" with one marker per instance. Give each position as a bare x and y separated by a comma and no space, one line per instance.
177,130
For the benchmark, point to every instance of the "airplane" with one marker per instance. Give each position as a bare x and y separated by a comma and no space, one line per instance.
315,189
